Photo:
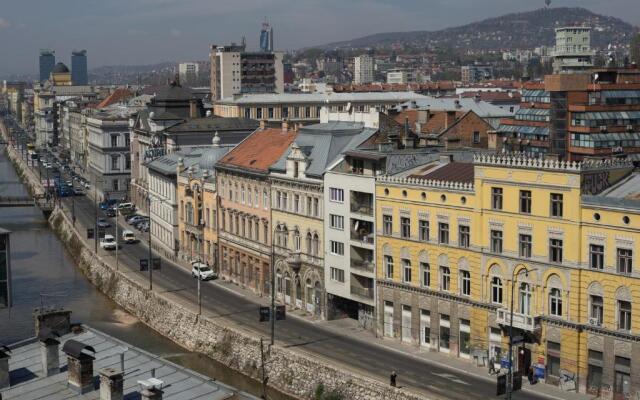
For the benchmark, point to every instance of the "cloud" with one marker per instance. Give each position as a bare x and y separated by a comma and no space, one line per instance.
4,23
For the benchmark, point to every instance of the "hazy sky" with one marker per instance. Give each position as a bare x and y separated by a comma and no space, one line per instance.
150,31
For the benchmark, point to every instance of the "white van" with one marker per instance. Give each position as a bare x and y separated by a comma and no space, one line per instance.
128,236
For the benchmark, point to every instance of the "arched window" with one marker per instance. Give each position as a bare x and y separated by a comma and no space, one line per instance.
406,270
265,199
555,302
623,303
425,273
242,198
285,237
296,240
308,243
596,304
496,290
316,244
525,298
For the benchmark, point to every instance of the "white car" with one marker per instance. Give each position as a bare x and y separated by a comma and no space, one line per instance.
202,271
128,237
108,242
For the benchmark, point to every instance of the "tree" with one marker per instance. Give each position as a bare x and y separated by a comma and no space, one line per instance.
634,49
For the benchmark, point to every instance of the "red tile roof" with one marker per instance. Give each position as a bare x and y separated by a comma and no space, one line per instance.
259,150
451,172
437,122
115,97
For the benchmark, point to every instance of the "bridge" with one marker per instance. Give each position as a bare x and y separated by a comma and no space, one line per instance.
27,201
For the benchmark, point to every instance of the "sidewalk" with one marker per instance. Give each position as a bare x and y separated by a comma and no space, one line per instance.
349,327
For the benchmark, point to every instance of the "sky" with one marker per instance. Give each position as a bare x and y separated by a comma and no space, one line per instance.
136,32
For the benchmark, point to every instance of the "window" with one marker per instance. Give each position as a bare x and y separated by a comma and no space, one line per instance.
622,378
496,198
465,338
445,279
406,271
387,225
496,241
426,274
445,332
405,227
316,207
270,112
624,315
337,221
423,230
114,162
596,310
425,327
285,112
296,240
555,250
388,267
596,256
465,283
336,195
594,373
525,298
464,239
525,201
127,161
624,261
337,274
357,166
265,199
114,140
496,290
556,205
259,113
296,203
555,302
524,245
443,233
337,248
553,358
476,137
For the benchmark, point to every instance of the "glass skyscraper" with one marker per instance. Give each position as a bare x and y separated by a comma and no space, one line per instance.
79,74
47,62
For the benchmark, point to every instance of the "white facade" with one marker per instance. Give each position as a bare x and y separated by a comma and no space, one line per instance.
163,212
109,155
573,49
399,76
363,69
188,72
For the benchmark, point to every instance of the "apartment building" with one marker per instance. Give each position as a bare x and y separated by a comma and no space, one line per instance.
576,116
572,51
456,239
363,69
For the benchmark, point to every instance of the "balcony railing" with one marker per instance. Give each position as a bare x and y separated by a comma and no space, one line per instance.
362,292
521,321
368,238
363,265
361,208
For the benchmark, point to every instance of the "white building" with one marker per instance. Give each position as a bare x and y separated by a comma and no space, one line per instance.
109,157
363,69
573,49
400,76
188,72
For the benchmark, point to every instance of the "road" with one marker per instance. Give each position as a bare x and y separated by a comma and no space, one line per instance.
367,358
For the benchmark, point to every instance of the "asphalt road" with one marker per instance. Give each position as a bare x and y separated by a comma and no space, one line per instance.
374,360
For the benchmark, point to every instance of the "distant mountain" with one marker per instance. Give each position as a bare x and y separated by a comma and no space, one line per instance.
511,31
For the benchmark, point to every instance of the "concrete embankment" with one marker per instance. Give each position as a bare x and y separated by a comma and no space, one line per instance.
291,372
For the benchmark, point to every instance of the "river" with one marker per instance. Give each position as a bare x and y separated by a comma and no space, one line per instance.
44,275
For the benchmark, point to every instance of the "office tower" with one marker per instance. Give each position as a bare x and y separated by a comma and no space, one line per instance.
47,62
79,74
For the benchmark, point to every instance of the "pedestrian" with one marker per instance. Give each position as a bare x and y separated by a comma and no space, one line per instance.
392,378
492,365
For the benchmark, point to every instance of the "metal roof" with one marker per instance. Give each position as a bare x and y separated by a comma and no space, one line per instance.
482,108
28,382
270,98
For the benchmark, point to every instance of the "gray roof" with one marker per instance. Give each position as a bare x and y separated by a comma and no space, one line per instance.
324,143
270,98
28,382
624,194
167,165
212,124
482,108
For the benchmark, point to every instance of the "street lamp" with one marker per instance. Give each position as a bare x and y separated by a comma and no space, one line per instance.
514,277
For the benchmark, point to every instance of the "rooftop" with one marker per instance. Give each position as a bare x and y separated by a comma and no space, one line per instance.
260,150
29,382
269,98
482,108
451,172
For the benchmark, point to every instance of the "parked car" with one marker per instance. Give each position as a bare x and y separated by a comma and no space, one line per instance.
136,219
123,206
102,223
128,236
143,226
202,271
108,242
110,212
130,217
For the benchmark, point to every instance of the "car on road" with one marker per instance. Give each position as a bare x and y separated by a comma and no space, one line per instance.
128,237
108,242
136,219
108,203
202,271
141,225
110,212
102,223
131,216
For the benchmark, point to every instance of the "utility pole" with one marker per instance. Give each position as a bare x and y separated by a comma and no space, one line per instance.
95,219
265,378
273,279
150,253
117,237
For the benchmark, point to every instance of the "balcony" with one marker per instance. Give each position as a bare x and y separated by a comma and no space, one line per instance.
362,231
362,203
520,321
362,292
363,265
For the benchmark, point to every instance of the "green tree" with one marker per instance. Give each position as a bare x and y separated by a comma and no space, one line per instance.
634,48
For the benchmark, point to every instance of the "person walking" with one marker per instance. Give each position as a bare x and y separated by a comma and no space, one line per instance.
492,366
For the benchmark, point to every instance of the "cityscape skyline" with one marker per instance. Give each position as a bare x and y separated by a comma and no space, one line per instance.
153,31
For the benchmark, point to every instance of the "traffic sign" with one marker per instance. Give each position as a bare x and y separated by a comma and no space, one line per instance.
90,233
281,313
144,264
265,313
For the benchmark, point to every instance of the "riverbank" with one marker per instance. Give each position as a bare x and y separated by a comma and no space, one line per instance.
292,372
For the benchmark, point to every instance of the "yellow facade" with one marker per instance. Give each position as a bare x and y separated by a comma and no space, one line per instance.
561,313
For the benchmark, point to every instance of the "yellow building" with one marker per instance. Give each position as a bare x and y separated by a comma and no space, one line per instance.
455,238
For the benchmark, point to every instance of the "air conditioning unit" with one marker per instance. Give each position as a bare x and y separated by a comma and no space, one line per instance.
603,128
629,128
594,322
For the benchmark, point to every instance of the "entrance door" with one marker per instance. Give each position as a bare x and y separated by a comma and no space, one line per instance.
524,361
388,319
406,323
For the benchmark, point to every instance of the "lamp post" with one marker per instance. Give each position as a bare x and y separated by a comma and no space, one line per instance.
514,277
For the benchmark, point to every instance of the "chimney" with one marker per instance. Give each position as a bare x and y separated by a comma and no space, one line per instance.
50,357
446,158
5,354
285,125
449,118
263,124
423,116
492,139
193,109
111,384
52,320
151,394
79,365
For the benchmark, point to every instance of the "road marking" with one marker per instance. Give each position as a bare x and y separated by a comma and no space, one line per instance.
227,289
450,377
